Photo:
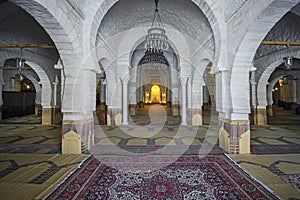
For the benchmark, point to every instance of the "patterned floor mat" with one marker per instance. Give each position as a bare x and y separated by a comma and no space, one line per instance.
189,177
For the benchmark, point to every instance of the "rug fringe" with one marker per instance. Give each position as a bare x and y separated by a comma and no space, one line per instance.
72,172
263,185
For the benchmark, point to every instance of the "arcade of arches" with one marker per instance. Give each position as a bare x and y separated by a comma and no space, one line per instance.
212,61
81,69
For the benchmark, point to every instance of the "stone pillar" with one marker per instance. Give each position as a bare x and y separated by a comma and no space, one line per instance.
298,96
253,97
114,103
47,112
195,112
132,96
60,67
1,89
234,136
175,109
294,95
196,116
55,83
102,106
261,116
270,110
183,81
1,102
141,96
205,97
125,100
175,102
132,109
270,106
56,103
47,116
114,116
38,109
282,93
77,133
102,93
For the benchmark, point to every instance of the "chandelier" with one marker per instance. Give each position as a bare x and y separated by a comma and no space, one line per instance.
20,63
288,61
155,44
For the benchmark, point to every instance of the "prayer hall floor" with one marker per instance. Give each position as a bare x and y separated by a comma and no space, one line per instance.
31,165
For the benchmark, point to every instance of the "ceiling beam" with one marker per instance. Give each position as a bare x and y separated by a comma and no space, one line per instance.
26,46
14,68
280,43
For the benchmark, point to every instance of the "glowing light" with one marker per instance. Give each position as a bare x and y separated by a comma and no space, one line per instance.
155,89
280,82
155,94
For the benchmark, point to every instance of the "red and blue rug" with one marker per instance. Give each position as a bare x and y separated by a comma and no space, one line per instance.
155,177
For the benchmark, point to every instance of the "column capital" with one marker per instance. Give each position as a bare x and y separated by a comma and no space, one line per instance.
262,106
224,70
125,78
253,69
252,77
183,79
59,64
56,81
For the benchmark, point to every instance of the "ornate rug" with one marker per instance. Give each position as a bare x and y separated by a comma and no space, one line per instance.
292,178
161,178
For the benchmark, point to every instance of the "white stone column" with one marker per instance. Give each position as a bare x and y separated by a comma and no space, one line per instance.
141,95
1,99
125,100
294,95
219,93
55,84
189,93
60,67
1,84
55,102
281,93
183,81
253,96
297,91
226,94
205,94
1,89
297,96
253,89
103,90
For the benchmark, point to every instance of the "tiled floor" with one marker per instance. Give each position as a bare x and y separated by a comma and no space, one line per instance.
274,161
281,172
33,176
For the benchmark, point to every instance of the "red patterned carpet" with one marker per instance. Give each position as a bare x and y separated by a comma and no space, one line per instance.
160,177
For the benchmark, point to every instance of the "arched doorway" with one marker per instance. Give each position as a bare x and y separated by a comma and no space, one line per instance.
154,84
284,98
18,92
156,95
